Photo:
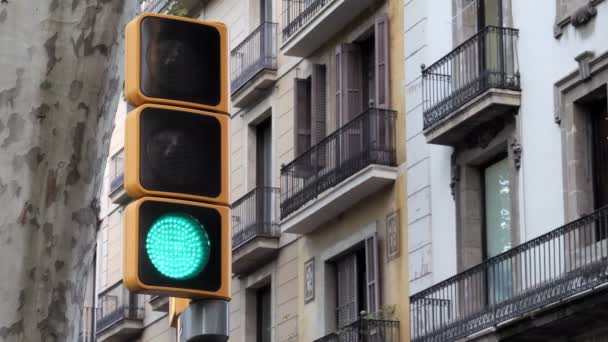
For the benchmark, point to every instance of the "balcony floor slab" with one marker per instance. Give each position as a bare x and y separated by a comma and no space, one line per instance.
485,107
339,198
253,253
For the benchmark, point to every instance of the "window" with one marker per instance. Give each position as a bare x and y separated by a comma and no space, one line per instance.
598,113
362,74
497,224
310,109
356,282
263,318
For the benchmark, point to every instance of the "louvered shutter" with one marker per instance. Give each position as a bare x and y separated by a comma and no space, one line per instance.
319,110
301,116
372,273
382,62
347,290
349,100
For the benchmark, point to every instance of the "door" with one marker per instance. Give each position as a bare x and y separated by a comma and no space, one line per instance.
497,222
264,176
491,42
599,146
264,323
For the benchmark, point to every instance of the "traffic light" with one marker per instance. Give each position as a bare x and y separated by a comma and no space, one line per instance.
177,152
177,61
177,248
177,231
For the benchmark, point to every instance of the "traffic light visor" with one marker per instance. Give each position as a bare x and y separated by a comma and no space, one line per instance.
178,248
175,152
178,61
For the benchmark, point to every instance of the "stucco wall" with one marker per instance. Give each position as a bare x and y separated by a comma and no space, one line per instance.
543,60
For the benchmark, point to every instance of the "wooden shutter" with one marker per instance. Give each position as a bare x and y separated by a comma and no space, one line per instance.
382,62
346,270
372,273
301,116
319,110
352,74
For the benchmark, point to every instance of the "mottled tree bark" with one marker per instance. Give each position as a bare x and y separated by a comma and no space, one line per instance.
60,79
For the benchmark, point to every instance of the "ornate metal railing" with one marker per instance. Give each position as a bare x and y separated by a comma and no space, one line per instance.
486,60
256,53
117,171
367,139
116,304
365,330
87,325
297,13
564,262
255,215
154,6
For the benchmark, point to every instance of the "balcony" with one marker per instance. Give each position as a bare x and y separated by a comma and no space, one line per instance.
545,287
159,303
365,330
253,65
118,195
255,228
474,84
120,315
307,24
162,6
87,325
353,162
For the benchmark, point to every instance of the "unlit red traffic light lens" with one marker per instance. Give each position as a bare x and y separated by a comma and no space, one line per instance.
178,246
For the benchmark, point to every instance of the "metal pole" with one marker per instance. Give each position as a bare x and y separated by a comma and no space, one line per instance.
205,321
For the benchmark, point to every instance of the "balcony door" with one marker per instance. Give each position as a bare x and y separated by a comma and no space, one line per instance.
489,13
497,223
263,315
264,174
598,112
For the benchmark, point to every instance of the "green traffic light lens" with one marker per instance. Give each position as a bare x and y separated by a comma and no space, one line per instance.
178,246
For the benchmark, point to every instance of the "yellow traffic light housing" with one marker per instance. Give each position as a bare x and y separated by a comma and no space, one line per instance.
177,248
176,307
177,152
177,61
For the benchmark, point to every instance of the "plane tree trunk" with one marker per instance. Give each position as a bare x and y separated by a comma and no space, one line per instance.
60,81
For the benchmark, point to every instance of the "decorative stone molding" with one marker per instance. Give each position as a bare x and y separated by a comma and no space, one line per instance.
484,133
583,64
583,15
578,17
516,153
589,66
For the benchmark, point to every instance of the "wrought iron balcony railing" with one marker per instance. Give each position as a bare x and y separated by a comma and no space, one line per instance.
117,171
117,182
367,139
154,6
255,215
567,261
256,53
486,60
117,304
297,13
87,323
365,330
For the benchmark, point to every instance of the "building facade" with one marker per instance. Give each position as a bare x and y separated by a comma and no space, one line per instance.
317,179
506,146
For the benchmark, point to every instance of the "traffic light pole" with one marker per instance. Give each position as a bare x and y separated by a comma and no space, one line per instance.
205,320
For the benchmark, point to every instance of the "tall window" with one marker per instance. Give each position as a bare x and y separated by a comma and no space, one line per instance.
263,324
599,123
497,222
357,282
598,112
263,172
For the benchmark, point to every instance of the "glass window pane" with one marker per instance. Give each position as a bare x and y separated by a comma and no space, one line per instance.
497,208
